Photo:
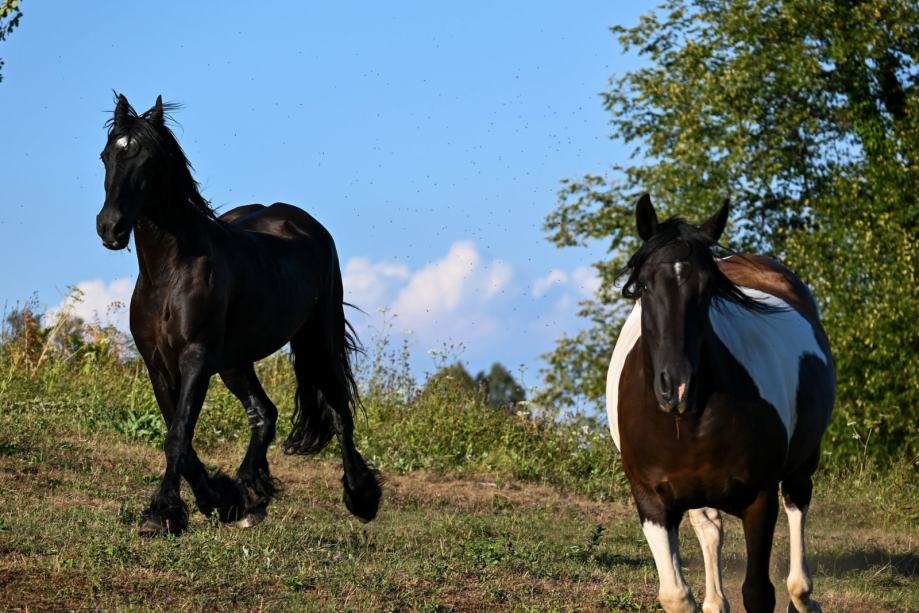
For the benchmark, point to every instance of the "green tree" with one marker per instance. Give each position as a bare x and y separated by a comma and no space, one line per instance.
10,14
500,387
805,114
453,379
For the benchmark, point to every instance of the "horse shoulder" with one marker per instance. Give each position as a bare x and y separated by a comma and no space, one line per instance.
770,346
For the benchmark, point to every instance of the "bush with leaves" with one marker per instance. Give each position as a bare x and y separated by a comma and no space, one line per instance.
806,116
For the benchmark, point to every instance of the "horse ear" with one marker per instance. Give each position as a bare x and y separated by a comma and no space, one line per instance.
122,111
714,226
645,217
155,115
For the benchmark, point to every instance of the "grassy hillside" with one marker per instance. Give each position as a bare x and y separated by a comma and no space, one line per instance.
483,509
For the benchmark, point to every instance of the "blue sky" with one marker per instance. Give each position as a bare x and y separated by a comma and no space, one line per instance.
429,138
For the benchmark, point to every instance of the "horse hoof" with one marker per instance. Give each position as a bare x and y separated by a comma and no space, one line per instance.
252,518
153,527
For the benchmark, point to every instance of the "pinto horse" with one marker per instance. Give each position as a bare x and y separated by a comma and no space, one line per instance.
720,387
214,295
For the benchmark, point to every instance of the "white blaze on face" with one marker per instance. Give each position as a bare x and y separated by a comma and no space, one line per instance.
628,336
769,346
122,142
679,269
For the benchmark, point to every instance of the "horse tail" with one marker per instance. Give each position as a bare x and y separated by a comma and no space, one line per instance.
321,354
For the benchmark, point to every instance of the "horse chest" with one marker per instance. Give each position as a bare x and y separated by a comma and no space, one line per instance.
766,351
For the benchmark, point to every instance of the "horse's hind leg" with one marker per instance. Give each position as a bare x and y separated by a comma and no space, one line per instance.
796,500
253,475
321,366
361,483
707,524
759,527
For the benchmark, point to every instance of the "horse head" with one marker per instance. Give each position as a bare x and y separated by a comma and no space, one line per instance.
674,275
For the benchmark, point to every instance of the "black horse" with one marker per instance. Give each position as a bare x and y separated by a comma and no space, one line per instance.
215,294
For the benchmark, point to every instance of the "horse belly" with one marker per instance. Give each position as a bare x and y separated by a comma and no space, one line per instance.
268,307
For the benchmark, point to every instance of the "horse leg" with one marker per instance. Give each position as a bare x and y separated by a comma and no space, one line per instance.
707,524
661,527
320,365
253,476
209,491
796,500
361,483
759,526
167,513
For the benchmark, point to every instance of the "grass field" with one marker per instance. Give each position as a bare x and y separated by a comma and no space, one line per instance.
443,541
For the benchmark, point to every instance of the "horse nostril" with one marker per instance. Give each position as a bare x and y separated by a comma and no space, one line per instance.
666,385
120,227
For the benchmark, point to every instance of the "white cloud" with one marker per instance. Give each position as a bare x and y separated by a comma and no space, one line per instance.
543,284
96,301
583,279
498,277
438,287
586,280
369,284
450,298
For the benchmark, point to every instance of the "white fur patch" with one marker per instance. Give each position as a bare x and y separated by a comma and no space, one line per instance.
769,346
674,593
628,336
122,142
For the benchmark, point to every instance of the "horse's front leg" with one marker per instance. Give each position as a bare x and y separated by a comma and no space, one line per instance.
707,524
212,492
167,513
759,526
661,527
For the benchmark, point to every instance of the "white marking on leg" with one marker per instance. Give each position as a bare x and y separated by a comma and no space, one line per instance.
707,524
628,336
799,580
769,346
674,594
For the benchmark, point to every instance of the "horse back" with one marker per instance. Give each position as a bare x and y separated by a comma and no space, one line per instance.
279,219
767,275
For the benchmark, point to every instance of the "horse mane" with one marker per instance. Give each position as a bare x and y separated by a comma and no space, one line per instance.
678,230
163,139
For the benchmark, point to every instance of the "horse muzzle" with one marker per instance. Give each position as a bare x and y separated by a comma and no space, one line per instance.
115,231
673,394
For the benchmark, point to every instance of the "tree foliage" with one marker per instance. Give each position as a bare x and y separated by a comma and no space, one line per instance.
501,389
10,14
805,114
497,387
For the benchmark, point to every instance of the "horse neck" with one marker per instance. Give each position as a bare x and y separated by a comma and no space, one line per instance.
168,233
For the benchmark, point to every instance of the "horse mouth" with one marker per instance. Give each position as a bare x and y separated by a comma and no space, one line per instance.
115,245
